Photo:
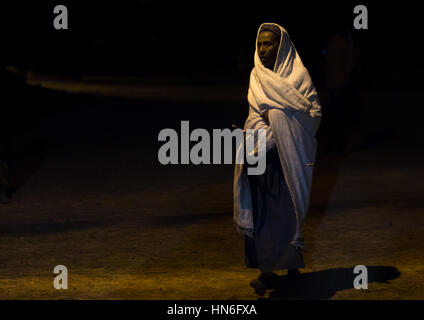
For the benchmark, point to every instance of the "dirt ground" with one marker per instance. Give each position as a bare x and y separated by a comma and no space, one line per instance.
91,195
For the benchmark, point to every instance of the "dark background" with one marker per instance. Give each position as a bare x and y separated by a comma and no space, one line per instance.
128,46
191,38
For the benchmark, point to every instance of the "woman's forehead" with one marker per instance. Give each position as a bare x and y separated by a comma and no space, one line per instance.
267,36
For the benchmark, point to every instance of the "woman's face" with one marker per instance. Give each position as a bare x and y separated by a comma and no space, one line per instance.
267,48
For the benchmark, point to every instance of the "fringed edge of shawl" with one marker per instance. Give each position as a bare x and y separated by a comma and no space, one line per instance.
298,244
244,231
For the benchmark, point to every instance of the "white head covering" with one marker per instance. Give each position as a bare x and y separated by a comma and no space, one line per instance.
289,66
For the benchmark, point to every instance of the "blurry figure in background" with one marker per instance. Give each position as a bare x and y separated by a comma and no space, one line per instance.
340,58
4,136
11,84
4,176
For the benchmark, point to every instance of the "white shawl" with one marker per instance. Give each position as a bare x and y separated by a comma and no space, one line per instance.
294,116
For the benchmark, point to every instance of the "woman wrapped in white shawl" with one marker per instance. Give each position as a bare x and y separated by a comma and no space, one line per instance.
269,209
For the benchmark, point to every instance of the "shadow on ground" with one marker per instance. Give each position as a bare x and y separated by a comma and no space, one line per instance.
324,284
